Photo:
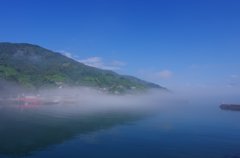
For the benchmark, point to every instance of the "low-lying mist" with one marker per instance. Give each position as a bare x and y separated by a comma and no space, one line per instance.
80,99
85,99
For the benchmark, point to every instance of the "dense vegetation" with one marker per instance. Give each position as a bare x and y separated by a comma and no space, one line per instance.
36,67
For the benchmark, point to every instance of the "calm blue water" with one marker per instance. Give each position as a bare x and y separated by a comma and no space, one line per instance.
187,130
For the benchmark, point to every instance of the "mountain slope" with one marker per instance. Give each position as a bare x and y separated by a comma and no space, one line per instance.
33,66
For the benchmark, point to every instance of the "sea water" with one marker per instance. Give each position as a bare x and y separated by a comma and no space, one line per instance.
191,129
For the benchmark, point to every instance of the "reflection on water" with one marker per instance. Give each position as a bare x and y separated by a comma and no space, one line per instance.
27,128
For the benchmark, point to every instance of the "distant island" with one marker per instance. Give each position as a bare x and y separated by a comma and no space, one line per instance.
232,107
34,67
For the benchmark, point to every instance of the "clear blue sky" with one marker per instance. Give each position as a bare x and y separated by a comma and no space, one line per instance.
171,42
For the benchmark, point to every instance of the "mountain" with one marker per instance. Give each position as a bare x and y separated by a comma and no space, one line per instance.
36,67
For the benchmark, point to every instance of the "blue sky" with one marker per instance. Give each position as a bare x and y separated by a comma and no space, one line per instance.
175,43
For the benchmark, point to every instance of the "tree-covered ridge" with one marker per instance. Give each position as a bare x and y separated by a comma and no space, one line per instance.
33,66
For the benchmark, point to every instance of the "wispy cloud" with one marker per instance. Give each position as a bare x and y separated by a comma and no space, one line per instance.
234,81
97,62
67,54
156,75
102,64
234,76
164,74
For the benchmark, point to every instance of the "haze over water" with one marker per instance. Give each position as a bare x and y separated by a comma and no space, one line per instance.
121,126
